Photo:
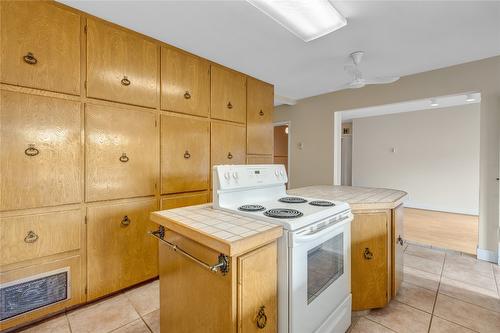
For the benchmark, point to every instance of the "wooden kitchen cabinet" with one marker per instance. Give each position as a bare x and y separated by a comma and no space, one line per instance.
40,46
228,94
183,200
260,107
397,240
120,153
185,149
121,66
227,144
185,82
120,252
40,151
259,159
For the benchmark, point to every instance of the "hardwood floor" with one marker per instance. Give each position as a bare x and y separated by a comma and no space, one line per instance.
444,230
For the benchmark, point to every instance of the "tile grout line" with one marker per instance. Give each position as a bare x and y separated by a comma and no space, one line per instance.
147,326
451,321
373,321
496,282
437,293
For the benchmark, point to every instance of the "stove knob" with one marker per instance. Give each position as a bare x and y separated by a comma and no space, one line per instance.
277,173
282,173
227,175
235,175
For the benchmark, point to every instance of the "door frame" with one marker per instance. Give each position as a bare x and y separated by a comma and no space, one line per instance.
337,148
289,124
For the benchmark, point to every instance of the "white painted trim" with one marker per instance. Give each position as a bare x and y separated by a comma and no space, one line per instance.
487,255
289,124
337,148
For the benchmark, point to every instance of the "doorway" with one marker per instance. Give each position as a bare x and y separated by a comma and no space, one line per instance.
282,146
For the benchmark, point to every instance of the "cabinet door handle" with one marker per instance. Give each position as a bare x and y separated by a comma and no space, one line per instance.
187,95
261,113
124,158
125,81
400,240
31,150
126,221
31,237
229,155
368,254
261,319
187,155
229,105
30,59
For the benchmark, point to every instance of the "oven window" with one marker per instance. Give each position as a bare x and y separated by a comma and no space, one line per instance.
325,264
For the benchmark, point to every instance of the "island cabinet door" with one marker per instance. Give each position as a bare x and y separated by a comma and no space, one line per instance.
185,82
120,153
227,144
228,95
397,248
260,106
120,252
185,149
121,65
369,260
40,46
40,151
257,290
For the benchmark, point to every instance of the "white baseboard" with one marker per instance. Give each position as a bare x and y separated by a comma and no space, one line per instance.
487,255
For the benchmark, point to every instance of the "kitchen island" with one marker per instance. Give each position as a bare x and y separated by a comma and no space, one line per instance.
377,240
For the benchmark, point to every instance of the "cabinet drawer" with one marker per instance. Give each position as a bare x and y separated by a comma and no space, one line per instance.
185,147
183,200
185,83
228,95
260,106
71,265
34,236
227,144
120,153
40,46
120,252
40,151
121,66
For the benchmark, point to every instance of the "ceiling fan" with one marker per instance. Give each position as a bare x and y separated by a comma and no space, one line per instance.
358,80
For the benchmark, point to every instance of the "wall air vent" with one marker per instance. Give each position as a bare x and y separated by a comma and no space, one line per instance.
34,292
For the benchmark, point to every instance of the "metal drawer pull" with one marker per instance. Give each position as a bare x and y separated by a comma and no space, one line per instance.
125,81
261,113
229,155
400,240
222,266
187,95
30,59
368,254
187,155
31,237
124,158
229,105
261,318
31,150
126,221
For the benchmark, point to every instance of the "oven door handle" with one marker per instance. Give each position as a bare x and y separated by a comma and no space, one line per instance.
307,237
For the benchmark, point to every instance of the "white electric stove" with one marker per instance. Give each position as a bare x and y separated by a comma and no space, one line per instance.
314,263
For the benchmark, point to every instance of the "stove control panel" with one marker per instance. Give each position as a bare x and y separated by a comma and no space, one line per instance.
243,176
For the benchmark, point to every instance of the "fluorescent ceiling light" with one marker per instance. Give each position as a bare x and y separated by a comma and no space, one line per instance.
434,102
307,19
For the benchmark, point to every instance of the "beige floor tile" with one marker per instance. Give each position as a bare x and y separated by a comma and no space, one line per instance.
57,324
354,320
146,298
439,325
418,297
470,263
469,270
422,264
425,252
137,326
470,293
103,316
364,325
466,314
153,321
421,278
401,318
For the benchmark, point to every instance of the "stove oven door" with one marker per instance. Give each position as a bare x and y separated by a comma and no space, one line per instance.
320,280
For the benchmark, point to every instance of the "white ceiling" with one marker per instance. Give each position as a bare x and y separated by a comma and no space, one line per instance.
399,37
409,106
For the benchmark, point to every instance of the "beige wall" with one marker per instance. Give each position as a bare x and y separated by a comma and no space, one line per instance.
435,157
312,123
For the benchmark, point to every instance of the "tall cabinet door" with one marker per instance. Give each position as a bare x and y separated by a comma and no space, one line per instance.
120,252
185,82
120,153
228,95
228,144
260,107
40,151
40,46
185,147
121,66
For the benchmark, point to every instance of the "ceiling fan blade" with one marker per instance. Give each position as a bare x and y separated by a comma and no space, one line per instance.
381,79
